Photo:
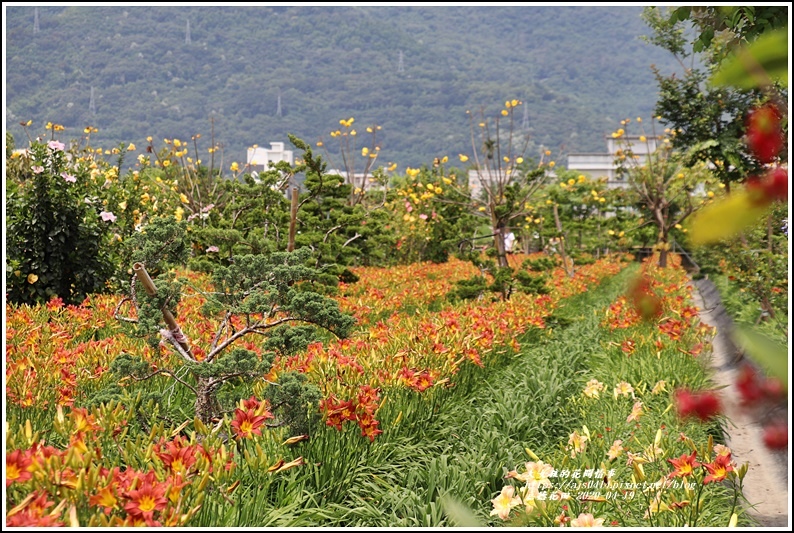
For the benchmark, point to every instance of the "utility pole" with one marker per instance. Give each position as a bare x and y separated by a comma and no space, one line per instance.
400,65
278,104
92,103
525,121
36,20
187,33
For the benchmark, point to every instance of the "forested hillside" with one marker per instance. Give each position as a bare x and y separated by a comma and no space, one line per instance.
175,71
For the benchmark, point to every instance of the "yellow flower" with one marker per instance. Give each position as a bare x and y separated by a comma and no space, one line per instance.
447,181
616,450
678,226
352,132
593,388
131,148
444,159
621,234
611,232
571,181
639,119
636,412
577,442
514,103
482,124
602,199
481,209
504,112
504,502
623,389
710,194
552,163
519,160
32,278
166,163
319,143
183,198
149,138
587,520
642,138
122,206
178,214
463,158
364,151
547,152
235,167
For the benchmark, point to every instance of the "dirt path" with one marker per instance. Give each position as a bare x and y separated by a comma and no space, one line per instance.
766,483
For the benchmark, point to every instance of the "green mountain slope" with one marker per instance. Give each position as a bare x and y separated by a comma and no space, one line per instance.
413,70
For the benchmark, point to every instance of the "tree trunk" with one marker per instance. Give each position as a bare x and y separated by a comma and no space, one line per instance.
566,261
207,406
499,244
293,219
663,252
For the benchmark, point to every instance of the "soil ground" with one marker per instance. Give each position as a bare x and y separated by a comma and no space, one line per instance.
766,484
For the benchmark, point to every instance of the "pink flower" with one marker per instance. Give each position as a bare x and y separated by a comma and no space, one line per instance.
37,169
423,216
206,209
68,177
107,216
55,145
408,207
212,249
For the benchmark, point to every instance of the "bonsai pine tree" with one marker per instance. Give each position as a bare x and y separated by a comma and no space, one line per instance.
254,296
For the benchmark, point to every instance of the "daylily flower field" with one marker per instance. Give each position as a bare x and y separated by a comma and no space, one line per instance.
646,437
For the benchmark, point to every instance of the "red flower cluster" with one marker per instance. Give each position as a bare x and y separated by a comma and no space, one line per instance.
360,410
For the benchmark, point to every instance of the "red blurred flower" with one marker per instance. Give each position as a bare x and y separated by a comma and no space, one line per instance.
764,134
773,186
704,404
748,385
776,436
645,302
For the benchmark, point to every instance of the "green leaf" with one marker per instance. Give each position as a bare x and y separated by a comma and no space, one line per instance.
724,218
764,60
458,513
771,355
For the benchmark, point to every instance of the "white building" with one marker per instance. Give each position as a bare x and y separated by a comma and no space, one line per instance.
361,180
598,165
258,157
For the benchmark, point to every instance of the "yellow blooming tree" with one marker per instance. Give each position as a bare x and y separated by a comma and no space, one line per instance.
358,158
501,183
667,190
